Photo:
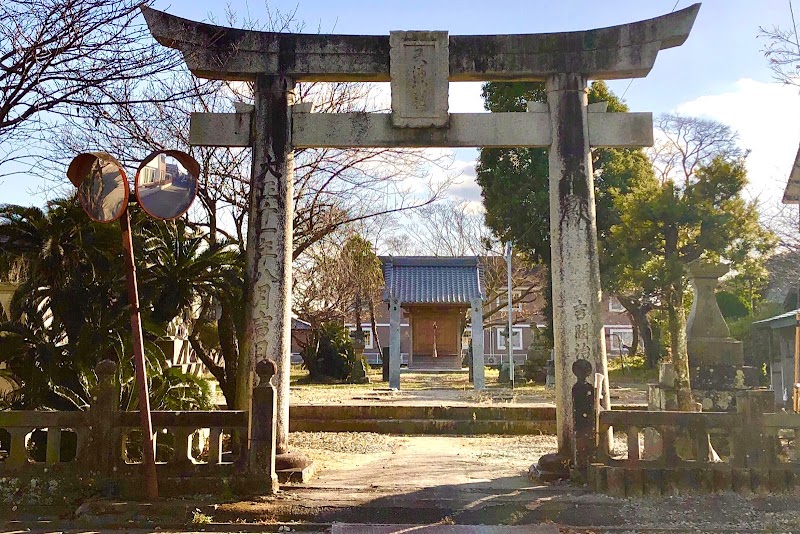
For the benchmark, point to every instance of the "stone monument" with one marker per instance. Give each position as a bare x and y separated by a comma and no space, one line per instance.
716,363
359,373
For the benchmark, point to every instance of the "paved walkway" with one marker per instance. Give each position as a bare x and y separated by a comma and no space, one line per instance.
446,480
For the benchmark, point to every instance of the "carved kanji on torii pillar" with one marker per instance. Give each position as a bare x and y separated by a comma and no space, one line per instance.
419,65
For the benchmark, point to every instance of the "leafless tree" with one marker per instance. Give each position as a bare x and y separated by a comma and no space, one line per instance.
454,228
333,187
320,292
451,228
61,57
784,269
685,143
783,50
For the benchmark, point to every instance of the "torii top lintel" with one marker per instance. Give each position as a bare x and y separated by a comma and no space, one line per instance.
624,51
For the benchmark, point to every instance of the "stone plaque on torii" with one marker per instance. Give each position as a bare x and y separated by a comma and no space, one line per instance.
419,65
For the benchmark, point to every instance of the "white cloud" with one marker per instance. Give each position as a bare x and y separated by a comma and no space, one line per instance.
465,97
767,117
465,186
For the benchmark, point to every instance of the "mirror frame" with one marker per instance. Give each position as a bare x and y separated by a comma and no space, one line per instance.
188,162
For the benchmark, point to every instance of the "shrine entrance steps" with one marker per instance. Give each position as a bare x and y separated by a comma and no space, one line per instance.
422,363
430,420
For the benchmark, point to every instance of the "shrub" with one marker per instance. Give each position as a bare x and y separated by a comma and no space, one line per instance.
329,353
731,305
535,368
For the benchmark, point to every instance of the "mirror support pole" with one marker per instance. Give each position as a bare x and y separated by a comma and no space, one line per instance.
148,445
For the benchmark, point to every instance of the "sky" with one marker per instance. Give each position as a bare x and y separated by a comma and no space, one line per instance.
719,73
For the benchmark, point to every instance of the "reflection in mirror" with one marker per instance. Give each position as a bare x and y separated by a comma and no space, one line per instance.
103,187
166,183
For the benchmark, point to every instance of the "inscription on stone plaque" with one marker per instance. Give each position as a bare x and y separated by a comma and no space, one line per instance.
419,69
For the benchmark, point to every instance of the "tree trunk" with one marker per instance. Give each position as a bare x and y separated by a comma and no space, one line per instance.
229,346
357,307
651,340
643,330
217,371
677,341
374,326
634,348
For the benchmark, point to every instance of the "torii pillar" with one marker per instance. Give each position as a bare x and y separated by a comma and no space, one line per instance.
420,65
268,271
577,318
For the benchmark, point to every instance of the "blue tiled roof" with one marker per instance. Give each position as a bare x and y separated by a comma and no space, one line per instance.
432,280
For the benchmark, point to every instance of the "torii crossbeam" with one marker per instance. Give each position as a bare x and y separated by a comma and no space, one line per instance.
419,65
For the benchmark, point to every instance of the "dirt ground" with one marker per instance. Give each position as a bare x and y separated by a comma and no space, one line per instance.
368,460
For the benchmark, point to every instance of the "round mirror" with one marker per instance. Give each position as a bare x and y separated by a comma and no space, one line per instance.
166,183
102,185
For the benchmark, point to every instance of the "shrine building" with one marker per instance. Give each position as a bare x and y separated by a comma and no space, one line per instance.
435,294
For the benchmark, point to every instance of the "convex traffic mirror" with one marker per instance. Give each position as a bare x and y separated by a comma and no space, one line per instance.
102,185
166,183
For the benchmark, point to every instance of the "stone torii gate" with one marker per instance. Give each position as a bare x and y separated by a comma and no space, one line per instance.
419,65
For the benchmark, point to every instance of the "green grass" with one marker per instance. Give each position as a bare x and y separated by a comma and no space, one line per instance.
635,371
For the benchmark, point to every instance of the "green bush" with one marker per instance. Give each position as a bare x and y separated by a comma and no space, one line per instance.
330,353
731,305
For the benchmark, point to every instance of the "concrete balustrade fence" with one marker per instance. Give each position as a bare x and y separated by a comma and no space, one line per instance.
196,452
666,453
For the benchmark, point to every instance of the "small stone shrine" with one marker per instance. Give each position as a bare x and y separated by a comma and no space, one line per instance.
716,362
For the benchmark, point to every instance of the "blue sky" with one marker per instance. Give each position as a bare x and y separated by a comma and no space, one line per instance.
720,72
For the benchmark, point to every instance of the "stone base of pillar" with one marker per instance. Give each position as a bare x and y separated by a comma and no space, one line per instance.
291,460
294,467
550,468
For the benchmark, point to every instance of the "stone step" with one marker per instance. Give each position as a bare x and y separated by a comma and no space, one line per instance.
423,426
405,412
433,420
393,419
440,362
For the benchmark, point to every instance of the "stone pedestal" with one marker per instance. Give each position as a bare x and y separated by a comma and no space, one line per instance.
262,422
715,388
708,339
